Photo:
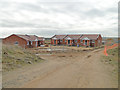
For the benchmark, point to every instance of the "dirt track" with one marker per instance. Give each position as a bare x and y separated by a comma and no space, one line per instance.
64,70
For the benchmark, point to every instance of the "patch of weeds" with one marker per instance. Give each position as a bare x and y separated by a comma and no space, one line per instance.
111,60
16,57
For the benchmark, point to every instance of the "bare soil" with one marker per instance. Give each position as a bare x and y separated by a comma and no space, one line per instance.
80,69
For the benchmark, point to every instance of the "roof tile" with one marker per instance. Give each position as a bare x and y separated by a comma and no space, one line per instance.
30,37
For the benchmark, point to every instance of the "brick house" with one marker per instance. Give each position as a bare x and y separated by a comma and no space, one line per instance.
58,40
72,39
90,40
25,41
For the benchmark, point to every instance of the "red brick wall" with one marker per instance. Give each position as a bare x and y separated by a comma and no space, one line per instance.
99,39
96,42
13,38
82,43
78,41
34,43
64,41
42,42
51,41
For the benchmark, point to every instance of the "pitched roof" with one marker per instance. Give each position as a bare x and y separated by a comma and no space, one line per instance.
90,36
77,36
30,37
41,38
74,36
59,36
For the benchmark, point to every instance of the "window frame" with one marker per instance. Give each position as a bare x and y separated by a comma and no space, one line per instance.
16,43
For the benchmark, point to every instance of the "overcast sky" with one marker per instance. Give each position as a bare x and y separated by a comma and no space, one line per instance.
49,17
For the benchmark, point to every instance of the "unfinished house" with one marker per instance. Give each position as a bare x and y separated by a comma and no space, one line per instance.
58,40
25,41
92,40
88,40
72,40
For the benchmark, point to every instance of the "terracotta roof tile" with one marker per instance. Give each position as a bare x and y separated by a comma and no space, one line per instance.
77,36
90,36
30,37
59,36
74,36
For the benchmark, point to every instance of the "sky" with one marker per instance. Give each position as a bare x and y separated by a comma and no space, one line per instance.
49,17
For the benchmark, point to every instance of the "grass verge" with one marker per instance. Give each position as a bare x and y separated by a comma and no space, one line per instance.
112,61
16,57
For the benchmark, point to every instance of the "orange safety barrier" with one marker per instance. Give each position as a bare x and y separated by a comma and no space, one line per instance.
109,47
105,51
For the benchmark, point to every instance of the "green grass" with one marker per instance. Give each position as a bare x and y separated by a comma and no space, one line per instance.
16,57
112,60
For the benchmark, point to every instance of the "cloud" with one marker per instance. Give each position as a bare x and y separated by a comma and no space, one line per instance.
58,17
